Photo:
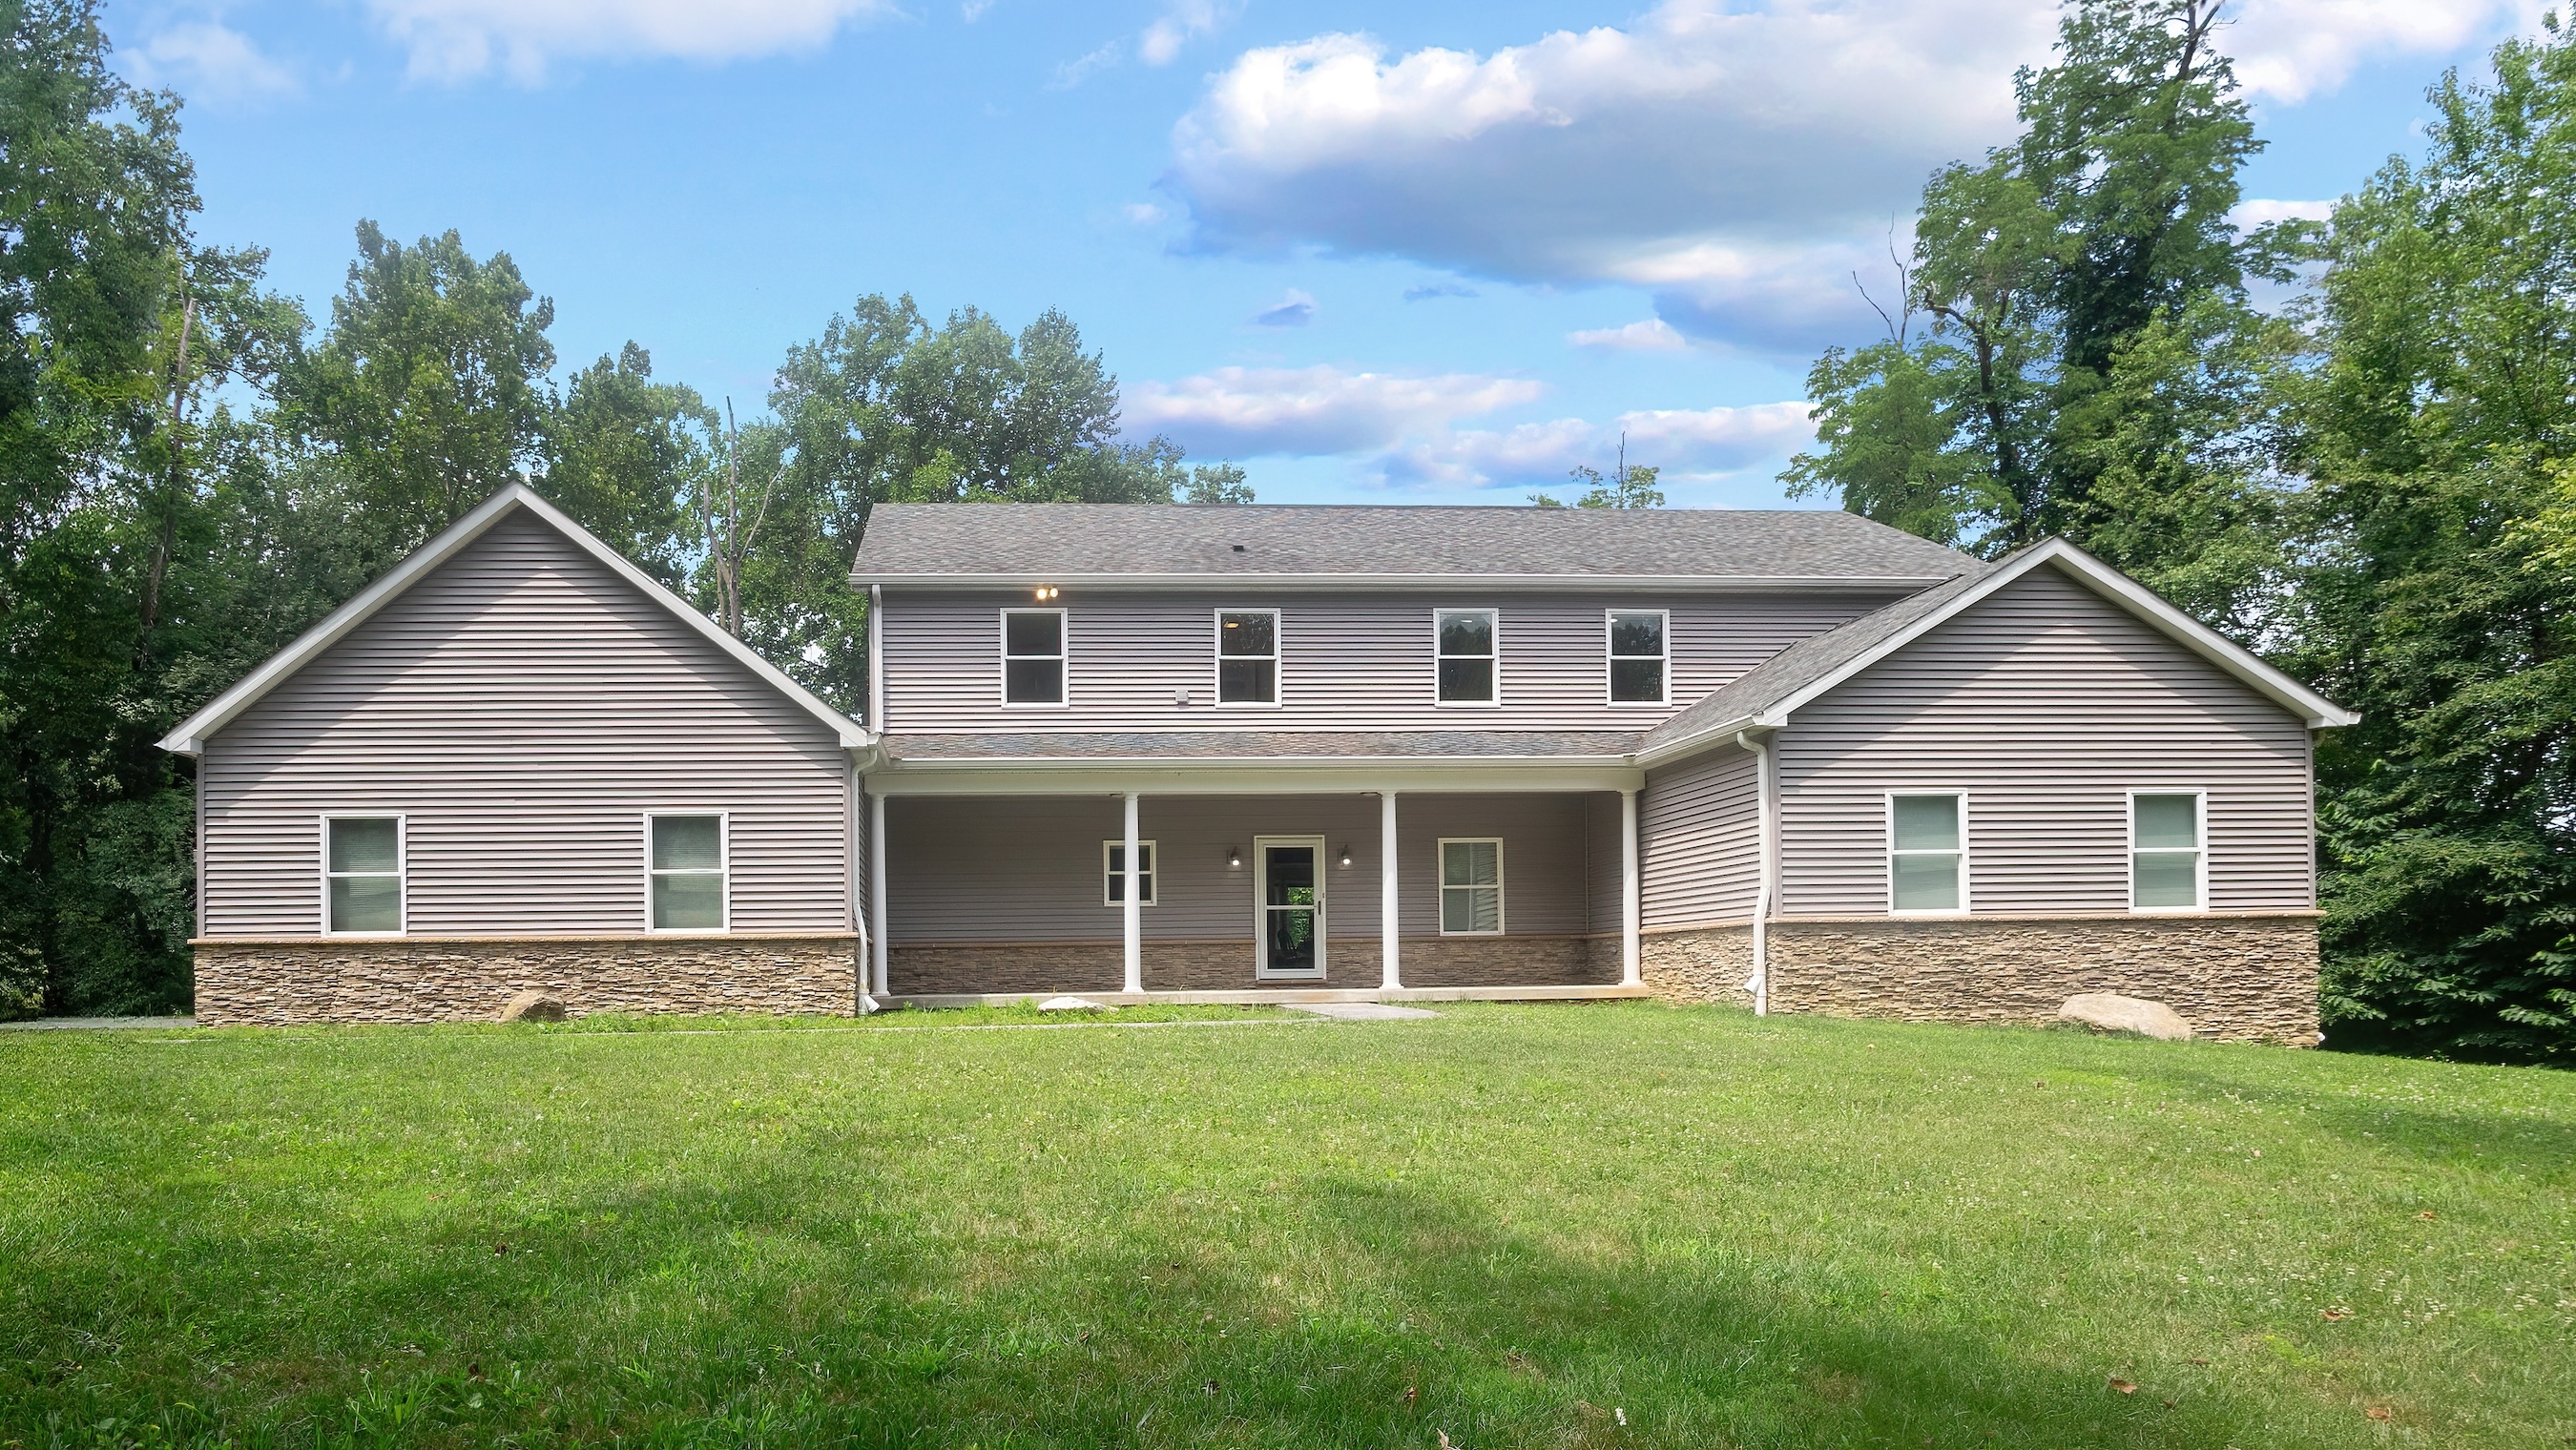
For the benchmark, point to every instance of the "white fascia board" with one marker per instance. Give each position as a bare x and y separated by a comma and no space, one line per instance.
190,737
2318,711
1255,777
1721,733
1613,583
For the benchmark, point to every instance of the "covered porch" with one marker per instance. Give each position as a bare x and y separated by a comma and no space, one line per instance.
1252,884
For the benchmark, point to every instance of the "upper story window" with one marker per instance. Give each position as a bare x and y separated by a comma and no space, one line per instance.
362,875
1467,656
2166,851
1247,657
1637,657
1032,656
1927,855
685,872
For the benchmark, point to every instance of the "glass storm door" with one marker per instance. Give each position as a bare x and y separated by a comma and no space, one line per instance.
1291,892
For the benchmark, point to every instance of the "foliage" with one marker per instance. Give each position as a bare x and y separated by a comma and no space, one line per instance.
2073,352
1518,1225
2435,427
1626,486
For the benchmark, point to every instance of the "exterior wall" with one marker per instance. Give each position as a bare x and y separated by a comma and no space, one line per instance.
2047,706
1699,832
1348,661
1699,964
1004,894
524,707
2242,978
343,979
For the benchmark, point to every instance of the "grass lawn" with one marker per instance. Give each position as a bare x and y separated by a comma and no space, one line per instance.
1610,1225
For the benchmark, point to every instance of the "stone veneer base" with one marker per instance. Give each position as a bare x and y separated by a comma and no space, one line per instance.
468,979
2234,978
1218,966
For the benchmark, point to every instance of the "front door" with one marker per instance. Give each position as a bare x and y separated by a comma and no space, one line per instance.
1289,897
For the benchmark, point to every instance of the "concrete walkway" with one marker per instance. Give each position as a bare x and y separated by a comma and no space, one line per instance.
1358,1011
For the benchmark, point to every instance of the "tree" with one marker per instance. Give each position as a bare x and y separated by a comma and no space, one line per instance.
1626,486
2083,295
2435,424
626,456
429,386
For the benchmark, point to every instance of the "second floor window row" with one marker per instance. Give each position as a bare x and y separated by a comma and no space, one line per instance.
1466,657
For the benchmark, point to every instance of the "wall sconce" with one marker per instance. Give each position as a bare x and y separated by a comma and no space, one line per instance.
1046,592
1346,855
1233,859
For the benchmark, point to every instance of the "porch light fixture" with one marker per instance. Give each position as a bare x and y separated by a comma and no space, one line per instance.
1346,855
1046,592
1233,859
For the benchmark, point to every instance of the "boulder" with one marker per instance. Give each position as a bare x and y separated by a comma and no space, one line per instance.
2111,1012
533,1006
1074,1004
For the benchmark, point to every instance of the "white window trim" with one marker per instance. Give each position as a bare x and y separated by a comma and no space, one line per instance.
1261,908
1063,658
1153,871
1277,657
1967,856
1663,635
402,869
724,868
1502,875
2200,868
1491,612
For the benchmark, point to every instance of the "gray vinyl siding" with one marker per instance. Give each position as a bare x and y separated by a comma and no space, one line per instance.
1028,868
2047,706
1355,661
1605,861
1699,830
525,707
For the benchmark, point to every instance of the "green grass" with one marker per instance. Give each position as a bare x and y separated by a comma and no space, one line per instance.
1518,1225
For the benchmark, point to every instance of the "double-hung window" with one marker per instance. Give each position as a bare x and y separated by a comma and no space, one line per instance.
1464,640
1113,873
1637,657
1471,887
1247,657
1032,656
362,875
2166,851
685,872
1927,855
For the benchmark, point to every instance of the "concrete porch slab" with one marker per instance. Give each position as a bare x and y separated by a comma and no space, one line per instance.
1361,1011
1290,997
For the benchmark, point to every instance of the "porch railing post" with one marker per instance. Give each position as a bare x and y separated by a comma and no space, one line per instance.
1631,907
1390,976
1133,913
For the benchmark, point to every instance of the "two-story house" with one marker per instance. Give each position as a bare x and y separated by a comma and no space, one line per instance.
1794,760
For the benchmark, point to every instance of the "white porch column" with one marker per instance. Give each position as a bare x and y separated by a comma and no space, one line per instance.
1133,909
1631,902
1389,977
877,854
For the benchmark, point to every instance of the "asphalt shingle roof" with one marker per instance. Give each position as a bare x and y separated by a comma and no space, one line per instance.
1260,744
918,543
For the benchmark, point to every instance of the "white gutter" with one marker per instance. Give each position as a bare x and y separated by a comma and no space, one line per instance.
1768,893
1221,579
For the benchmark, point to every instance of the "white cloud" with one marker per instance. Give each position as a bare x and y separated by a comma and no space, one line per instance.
458,39
1143,213
1236,412
1652,335
1737,161
2251,214
971,11
1683,443
1294,310
1082,68
1183,22
206,60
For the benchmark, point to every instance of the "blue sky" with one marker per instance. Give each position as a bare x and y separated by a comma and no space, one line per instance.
1382,252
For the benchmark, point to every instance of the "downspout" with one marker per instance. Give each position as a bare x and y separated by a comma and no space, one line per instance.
876,659
1767,894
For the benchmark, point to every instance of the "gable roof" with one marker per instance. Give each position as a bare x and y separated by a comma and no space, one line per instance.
190,737
1165,545
1764,696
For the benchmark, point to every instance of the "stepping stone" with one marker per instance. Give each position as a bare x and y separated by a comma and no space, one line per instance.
1074,1004
1359,1011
